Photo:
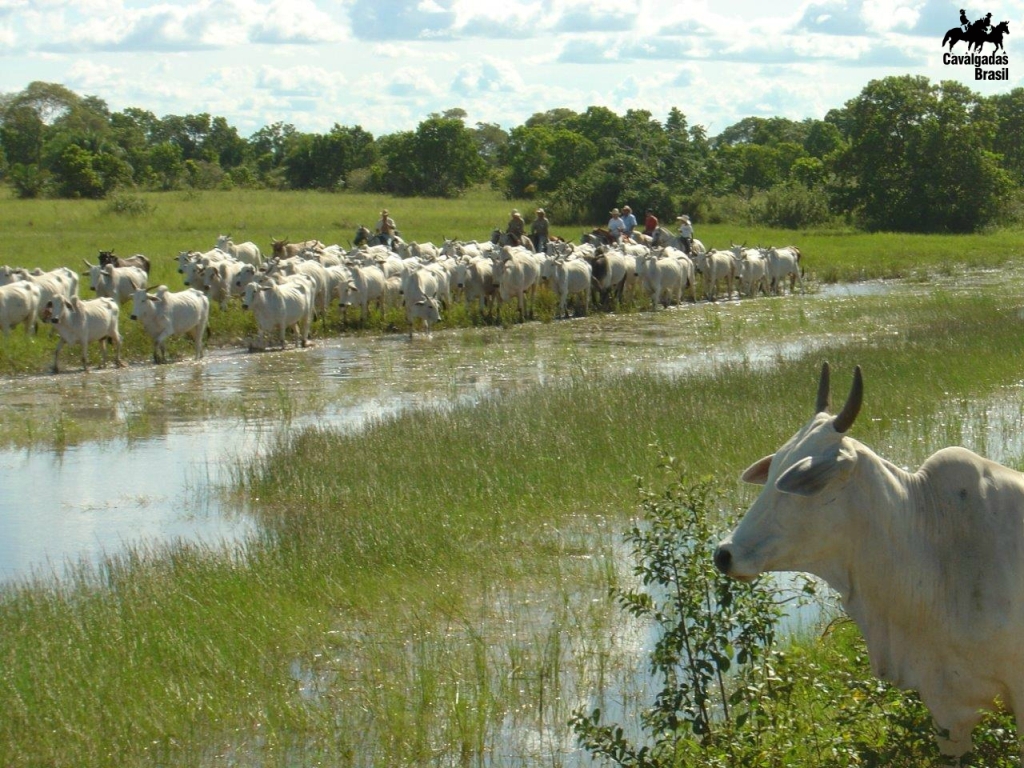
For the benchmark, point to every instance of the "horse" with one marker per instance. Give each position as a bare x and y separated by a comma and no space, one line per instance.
501,239
364,236
597,236
663,236
994,36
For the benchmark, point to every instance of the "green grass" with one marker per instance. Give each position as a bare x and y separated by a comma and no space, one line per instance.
384,553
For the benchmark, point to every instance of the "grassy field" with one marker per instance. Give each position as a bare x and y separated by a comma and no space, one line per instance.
379,616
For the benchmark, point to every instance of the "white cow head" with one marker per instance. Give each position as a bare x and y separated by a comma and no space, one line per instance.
792,525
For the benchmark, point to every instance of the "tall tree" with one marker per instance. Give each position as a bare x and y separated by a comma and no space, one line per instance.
919,157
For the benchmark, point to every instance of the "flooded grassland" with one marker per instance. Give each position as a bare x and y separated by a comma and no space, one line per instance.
295,624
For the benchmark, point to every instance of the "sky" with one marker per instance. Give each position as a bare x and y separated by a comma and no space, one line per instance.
386,65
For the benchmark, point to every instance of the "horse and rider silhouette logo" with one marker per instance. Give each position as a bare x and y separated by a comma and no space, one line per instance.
976,33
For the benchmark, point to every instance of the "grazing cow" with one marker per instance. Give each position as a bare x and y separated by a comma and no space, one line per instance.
81,321
928,564
19,303
247,252
118,283
280,305
138,260
164,314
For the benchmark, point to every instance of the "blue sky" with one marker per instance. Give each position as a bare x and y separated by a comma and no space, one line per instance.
387,64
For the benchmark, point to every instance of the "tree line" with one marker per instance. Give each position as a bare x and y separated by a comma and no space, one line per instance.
906,154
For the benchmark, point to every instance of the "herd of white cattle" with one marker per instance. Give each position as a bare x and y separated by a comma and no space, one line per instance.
298,282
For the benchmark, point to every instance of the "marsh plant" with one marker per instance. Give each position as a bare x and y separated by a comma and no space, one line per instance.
714,652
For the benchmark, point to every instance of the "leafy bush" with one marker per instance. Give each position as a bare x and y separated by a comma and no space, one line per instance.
125,203
714,649
791,205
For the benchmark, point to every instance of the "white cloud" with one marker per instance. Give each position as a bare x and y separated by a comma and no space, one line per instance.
490,75
301,80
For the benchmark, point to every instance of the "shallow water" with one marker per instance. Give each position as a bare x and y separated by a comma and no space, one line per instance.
169,434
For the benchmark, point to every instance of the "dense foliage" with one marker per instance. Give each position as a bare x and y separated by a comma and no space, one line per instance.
904,155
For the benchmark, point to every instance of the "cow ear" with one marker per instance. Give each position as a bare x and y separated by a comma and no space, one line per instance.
757,473
810,476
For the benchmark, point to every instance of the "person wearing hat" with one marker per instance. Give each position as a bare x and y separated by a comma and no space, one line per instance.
628,221
539,231
386,228
685,233
516,228
615,225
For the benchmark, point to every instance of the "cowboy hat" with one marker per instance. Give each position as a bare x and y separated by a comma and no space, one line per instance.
614,212
539,210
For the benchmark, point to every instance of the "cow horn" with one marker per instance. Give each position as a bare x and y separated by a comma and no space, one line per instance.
845,418
823,390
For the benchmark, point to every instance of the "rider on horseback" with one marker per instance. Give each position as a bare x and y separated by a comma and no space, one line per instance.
516,228
965,23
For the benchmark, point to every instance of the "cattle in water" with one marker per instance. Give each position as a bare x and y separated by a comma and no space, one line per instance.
928,564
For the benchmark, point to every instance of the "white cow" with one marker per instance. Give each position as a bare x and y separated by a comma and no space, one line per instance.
716,266
118,283
571,278
83,321
164,314
419,294
280,305
478,283
662,278
928,564
365,284
315,271
19,303
247,252
517,272
57,282
753,271
219,280
783,264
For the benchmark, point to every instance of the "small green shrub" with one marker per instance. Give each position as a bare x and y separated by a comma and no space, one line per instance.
125,203
715,635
